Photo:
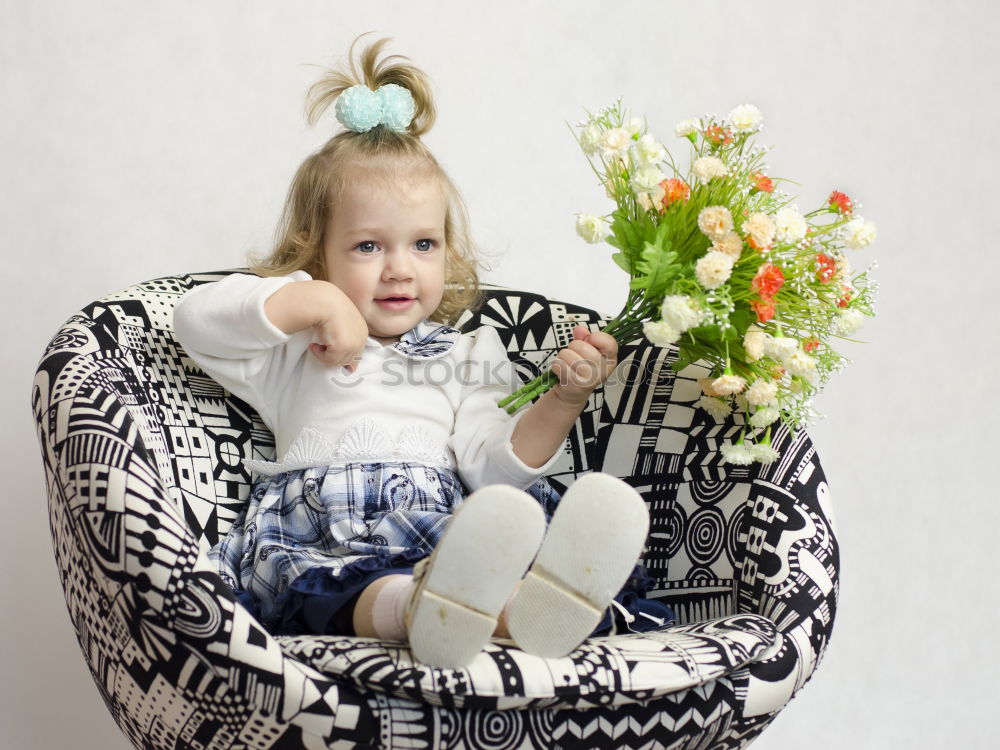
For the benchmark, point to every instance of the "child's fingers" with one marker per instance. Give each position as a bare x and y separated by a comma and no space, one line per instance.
597,359
329,356
588,351
353,363
354,358
605,343
572,369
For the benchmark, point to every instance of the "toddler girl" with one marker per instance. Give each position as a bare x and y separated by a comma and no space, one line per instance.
406,505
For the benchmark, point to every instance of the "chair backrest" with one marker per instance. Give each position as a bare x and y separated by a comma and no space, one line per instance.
119,354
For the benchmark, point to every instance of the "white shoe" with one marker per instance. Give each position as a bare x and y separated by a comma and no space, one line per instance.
460,590
593,542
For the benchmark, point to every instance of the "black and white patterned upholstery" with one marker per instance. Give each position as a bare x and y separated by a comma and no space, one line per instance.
142,457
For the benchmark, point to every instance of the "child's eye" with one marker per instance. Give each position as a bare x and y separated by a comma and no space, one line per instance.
367,247
425,245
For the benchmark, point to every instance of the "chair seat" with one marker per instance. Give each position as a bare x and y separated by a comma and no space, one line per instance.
609,671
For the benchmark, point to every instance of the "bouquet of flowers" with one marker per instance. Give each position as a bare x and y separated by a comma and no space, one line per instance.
723,266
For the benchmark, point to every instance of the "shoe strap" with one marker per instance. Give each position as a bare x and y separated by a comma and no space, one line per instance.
628,616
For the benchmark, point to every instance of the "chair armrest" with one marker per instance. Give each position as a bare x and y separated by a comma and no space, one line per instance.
790,570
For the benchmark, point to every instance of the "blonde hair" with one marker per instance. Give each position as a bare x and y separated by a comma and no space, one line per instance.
325,174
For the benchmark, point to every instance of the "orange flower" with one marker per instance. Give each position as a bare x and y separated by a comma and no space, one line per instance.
768,280
810,344
846,299
827,267
674,190
718,135
762,183
764,309
841,203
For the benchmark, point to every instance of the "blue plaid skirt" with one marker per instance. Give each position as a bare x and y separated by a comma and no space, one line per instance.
310,540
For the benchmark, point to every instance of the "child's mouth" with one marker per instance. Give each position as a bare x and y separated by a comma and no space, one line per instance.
395,303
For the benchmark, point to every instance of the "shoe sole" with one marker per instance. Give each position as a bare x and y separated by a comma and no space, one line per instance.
485,550
593,542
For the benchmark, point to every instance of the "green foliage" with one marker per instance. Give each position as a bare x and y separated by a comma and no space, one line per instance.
656,265
630,236
622,261
742,318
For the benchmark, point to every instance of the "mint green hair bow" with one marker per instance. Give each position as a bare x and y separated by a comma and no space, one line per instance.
361,109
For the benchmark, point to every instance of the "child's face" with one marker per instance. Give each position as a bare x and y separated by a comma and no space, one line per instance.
387,241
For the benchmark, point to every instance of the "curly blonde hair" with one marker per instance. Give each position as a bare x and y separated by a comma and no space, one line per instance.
338,164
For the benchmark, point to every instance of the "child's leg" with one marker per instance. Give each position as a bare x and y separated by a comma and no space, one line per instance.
379,610
388,624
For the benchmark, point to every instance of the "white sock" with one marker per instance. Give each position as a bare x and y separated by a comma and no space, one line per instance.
388,609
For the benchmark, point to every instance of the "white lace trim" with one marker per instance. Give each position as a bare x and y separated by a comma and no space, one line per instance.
365,440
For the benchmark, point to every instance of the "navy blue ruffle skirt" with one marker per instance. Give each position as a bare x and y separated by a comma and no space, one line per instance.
309,541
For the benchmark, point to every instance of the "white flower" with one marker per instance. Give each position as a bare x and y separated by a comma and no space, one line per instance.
634,126
745,118
859,233
708,167
764,416
660,333
715,406
706,386
848,321
791,225
764,453
647,177
648,151
592,228
657,195
680,312
713,269
761,229
715,221
615,141
726,385
644,200
753,343
737,454
730,244
801,364
686,127
762,393
590,138
779,347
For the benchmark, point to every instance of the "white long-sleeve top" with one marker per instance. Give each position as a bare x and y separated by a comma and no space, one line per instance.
430,397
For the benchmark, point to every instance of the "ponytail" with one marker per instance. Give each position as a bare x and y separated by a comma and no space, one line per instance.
373,72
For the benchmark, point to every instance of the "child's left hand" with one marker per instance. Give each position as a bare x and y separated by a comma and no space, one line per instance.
583,365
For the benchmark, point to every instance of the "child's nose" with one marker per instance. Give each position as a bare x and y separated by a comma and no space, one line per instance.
398,265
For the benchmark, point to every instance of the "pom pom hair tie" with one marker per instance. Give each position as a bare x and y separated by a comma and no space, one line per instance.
360,109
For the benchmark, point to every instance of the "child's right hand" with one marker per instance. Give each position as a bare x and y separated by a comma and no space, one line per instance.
341,334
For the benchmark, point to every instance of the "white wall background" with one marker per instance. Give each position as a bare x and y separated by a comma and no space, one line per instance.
146,139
